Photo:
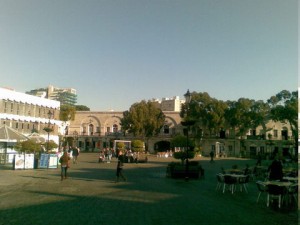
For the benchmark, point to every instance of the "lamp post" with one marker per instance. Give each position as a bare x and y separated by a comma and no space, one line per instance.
75,133
187,123
48,129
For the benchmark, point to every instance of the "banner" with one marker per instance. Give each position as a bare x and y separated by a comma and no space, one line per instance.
53,161
19,162
29,161
44,161
23,161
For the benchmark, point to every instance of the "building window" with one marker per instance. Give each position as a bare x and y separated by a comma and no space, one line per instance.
275,133
18,109
166,129
115,128
108,129
5,107
17,125
12,107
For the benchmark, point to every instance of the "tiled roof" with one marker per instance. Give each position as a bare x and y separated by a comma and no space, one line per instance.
8,134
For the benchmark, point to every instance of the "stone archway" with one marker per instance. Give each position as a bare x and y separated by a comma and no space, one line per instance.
162,146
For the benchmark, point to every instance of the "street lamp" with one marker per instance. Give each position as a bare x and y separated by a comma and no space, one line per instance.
48,129
187,123
75,133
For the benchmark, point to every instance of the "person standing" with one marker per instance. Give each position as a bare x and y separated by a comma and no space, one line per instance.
211,156
120,167
75,154
64,163
275,169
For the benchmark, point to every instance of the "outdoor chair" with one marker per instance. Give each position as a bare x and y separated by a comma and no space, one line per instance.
220,181
251,173
243,182
262,188
229,182
275,192
292,192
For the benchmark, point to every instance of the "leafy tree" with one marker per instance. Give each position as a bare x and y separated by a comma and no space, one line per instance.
284,108
207,112
137,145
28,146
143,119
82,108
238,115
51,145
120,145
67,112
246,114
260,115
183,155
179,141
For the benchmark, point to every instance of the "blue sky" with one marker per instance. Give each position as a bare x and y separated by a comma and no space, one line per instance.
116,53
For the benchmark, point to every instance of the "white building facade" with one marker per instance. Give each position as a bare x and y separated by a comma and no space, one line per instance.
29,114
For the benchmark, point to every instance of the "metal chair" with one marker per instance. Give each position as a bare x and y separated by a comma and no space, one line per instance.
220,180
229,182
292,192
262,188
275,192
243,182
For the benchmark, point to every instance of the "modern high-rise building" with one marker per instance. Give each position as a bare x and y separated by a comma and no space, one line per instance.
66,96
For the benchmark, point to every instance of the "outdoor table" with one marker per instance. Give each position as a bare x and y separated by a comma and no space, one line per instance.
237,178
234,171
278,183
291,179
284,184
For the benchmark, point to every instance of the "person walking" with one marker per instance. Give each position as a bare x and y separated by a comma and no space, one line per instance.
64,162
120,167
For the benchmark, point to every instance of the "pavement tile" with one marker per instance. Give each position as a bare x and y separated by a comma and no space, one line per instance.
91,196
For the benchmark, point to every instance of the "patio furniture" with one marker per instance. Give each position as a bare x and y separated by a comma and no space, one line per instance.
262,188
276,191
220,181
229,182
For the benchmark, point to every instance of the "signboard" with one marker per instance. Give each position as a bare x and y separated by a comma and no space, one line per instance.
53,161
29,161
23,161
44,161
19,162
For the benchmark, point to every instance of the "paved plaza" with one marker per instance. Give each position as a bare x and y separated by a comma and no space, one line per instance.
91,196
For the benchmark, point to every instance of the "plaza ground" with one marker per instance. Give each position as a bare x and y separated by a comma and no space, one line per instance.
91,196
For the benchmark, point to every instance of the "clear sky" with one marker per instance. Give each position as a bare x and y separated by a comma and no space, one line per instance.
116,53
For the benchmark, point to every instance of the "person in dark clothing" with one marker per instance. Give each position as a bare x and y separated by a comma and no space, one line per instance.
212,154
275,169
75,154
120,167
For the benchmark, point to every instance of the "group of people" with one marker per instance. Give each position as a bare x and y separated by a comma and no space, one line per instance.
65,163
106,155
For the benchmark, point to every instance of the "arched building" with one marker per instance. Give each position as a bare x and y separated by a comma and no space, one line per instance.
96,130
93,131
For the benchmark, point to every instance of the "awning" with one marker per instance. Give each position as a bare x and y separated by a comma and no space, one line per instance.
8,134
36,137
